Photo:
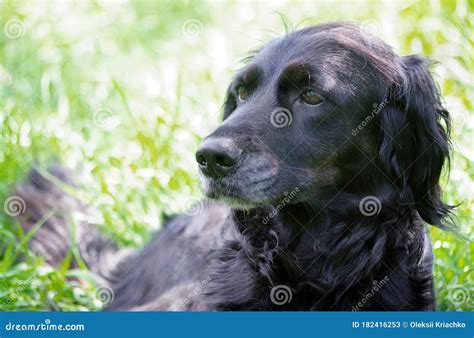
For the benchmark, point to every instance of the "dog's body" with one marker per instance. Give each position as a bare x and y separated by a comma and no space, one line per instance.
328,205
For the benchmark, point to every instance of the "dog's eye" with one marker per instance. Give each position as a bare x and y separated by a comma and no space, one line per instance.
311,98
243,93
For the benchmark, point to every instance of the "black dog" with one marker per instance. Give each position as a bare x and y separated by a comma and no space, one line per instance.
329,155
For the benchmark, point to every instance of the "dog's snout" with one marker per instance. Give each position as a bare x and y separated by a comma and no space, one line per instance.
216,157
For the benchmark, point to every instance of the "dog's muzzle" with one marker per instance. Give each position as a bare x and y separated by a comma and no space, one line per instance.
217,157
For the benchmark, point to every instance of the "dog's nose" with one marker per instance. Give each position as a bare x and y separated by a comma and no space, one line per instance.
216,157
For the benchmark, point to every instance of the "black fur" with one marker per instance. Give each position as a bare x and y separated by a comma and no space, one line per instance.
327,212
320,245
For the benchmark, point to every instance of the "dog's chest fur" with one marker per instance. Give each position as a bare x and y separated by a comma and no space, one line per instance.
323,265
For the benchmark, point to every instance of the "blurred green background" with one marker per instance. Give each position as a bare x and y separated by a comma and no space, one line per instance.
122,93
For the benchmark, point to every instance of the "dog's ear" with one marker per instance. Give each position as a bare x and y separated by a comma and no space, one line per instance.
415,139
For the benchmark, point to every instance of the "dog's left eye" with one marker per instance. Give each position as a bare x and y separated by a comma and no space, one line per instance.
310,97
243,93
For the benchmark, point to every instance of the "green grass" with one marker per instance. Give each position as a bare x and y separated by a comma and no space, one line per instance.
159,80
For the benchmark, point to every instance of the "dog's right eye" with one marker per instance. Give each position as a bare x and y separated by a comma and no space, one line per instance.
242,93
311,98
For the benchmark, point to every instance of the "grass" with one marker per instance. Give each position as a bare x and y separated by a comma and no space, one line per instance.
122,94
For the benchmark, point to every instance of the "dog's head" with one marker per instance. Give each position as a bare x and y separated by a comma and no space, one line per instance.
323,110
